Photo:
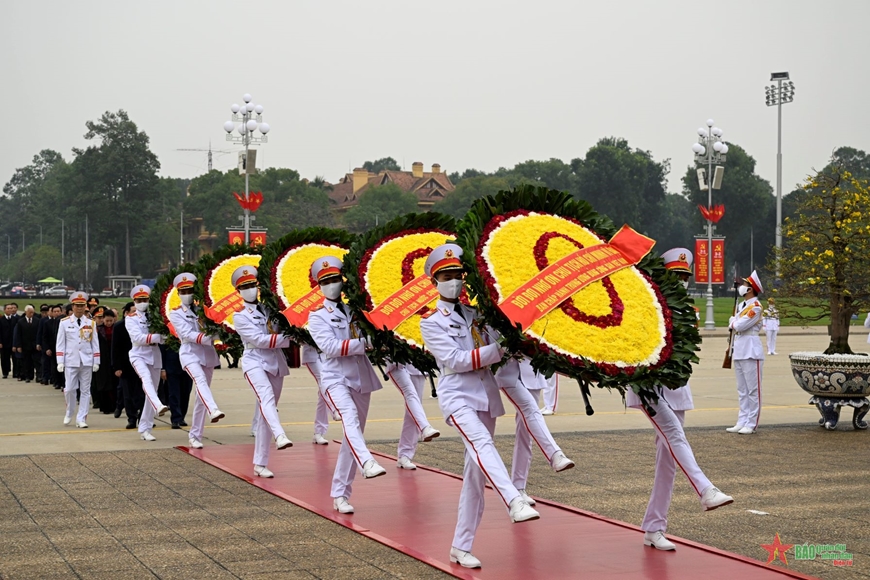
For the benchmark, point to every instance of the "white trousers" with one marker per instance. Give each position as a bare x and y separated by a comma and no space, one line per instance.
204,404
323,410
78,378
267,388
771,341
353,408
482,464
672,450
748,373
150,378
411,387
551,393
530,426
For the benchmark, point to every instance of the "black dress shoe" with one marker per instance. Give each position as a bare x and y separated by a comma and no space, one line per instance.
5,376
182,423
117,413
131,424
176,426
27,381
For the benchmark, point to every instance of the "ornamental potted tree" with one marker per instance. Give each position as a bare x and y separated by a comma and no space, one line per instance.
825,273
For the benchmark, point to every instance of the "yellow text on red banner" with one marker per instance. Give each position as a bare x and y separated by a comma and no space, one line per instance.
297,313
562,279
403,303
222,309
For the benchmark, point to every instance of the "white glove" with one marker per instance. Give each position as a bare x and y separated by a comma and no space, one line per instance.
156,339
96,368
208,340
367,342
60,368
731,321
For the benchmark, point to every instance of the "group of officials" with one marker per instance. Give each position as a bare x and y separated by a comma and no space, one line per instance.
469,392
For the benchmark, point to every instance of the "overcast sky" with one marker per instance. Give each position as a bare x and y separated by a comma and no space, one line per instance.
465,84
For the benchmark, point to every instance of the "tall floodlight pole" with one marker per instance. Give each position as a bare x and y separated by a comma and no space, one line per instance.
778,95
709,150
250,119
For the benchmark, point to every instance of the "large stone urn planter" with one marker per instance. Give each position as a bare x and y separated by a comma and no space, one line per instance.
834,381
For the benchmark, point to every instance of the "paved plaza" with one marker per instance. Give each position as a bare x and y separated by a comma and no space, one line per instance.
100,502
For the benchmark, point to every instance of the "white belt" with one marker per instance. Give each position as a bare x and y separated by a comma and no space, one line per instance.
447,371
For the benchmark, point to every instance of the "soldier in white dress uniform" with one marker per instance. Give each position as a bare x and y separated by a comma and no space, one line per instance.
551,396
197,355
146,359
263,364
469,398
347,379
415,425
313,359
771,325
748,356
78,356
672,448
522,386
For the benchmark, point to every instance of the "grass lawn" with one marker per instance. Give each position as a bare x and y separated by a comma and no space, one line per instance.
722,310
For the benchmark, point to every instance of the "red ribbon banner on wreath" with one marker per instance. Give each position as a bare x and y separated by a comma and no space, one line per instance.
297,313
403,303
564,278
227,305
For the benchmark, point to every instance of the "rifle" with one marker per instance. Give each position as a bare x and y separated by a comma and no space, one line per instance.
726,364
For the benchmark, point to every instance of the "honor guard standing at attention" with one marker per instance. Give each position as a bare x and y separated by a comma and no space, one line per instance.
771,325
415,425
145,359
469,398
78,356
672,448
347,379
263,364
197,355
748,355
522,386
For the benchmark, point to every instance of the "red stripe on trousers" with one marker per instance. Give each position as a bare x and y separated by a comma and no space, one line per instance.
344,430
207,410
662,433
758,381
479,462
526,423
395,382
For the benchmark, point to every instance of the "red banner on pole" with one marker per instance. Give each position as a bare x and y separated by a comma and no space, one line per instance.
702,264
236,237
561,280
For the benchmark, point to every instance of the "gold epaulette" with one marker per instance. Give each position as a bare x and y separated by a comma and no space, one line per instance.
428,314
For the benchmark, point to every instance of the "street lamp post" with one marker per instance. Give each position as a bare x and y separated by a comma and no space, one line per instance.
708,150
779,94
247,119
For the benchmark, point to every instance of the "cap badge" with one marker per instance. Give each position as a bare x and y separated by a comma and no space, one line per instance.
448,253
682,257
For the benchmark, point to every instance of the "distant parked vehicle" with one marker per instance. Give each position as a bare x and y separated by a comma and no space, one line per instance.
57,291
107,292
18,291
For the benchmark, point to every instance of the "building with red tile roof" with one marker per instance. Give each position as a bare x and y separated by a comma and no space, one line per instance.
429,187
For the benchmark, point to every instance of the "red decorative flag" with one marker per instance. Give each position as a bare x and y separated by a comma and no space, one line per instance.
713,214
254,201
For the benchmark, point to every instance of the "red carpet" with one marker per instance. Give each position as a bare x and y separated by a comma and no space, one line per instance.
415,512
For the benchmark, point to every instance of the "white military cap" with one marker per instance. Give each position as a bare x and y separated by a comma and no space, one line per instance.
325,267
184,280
444,257
78,298
754,281
140,291
678,260
244,275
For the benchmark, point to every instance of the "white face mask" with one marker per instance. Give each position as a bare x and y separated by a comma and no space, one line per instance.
450,288
685,284
742,290
141,306
249,294
332,291
186,299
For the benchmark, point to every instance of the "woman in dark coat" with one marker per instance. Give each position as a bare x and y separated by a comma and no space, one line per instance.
104,384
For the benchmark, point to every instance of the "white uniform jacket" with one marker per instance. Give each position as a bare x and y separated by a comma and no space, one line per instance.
771,318
514,372
196,347
746,326
867,324
77,346
463,351
309,354
262,346
677,399
144,343
344,355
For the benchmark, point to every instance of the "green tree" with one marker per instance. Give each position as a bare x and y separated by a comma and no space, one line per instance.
554,174
676,226
378,205
749,207
458,202
385,164
625,184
